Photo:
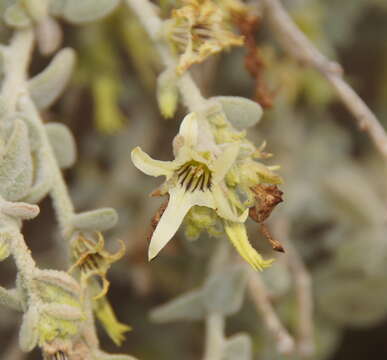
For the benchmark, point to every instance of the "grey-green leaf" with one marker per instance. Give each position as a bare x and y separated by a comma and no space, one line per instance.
83,11
37,9
96,220
10,298
242,113
16,16
20,210
29,335
16,165
63,312
188,306
47,86
223,293
42,182
63,144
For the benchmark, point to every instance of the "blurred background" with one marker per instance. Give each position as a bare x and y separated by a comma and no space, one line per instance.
335,190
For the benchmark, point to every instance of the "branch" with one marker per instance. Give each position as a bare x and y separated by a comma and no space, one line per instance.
299,47
15,95
59,193
259,295
303,285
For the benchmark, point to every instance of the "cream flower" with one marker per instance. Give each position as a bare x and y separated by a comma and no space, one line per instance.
194,178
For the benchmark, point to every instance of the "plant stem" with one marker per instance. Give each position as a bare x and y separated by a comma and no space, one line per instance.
16,61
25,264
215,324
259,295
15,95
59,193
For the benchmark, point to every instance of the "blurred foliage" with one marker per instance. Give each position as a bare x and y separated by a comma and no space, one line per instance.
335,188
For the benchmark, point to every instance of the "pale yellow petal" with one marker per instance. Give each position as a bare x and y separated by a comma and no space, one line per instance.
223,206
149,166
189,129
224,162
237,234
180,201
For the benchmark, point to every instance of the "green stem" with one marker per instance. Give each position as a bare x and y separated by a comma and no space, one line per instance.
24,262
61,199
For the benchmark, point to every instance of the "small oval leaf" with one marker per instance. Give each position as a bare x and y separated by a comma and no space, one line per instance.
83,11
29,334
223,293
47,86
242,113
16,165
188,306
96,220
16,16
63,144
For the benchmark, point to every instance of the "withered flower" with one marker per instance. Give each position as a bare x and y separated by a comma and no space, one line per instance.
91,258
198,30
267,198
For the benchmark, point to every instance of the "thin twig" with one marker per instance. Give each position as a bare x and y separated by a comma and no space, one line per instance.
259,295
303,286
294,41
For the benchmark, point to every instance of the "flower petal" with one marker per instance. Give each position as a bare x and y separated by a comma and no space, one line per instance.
189,129
178,206
149,166
223,206
238,237
180,202
224,162
108,319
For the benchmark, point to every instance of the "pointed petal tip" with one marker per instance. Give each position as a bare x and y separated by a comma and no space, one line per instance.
151,254
150,166
135,149
263,264
189,129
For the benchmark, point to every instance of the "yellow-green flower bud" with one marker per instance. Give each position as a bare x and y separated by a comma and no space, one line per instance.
167,93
